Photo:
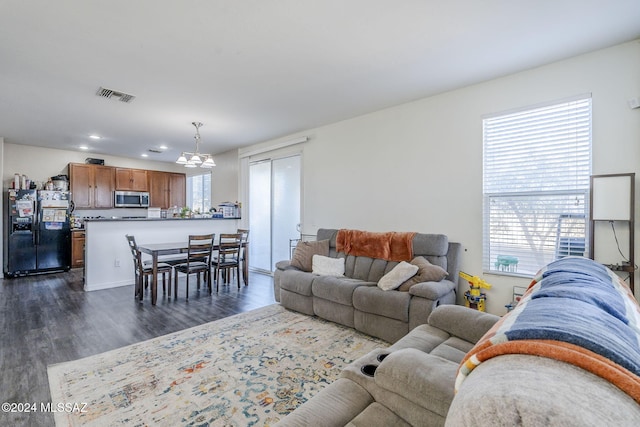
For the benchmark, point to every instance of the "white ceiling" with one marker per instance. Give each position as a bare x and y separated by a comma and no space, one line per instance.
253,70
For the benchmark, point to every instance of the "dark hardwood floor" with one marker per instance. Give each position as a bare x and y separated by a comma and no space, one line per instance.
49,319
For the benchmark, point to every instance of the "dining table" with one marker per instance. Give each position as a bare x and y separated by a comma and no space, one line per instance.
157,250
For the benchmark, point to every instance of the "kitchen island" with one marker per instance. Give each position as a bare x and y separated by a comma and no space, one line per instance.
108,261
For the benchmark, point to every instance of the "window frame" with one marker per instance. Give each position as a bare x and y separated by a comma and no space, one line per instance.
548,193
190,192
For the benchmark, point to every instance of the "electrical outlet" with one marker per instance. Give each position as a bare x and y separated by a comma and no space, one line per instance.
116,263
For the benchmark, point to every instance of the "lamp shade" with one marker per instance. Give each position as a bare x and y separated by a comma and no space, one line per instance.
208,163
182,160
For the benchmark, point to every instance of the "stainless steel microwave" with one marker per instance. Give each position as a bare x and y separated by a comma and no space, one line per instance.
131,199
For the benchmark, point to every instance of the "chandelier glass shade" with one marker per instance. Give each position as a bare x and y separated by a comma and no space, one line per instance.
194,159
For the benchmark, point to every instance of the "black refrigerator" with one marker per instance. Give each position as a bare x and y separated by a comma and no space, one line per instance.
37,235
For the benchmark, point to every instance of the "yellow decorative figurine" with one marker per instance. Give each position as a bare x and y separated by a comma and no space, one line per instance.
474,297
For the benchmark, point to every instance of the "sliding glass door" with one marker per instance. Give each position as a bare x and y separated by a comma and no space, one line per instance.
274,213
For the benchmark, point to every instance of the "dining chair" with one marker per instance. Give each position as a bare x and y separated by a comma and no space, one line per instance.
198,260
144,269
244,247
228,258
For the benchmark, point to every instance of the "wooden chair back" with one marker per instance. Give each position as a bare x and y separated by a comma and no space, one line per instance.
200,247
135,253
229,247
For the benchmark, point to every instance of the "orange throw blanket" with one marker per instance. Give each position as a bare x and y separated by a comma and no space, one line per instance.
390,246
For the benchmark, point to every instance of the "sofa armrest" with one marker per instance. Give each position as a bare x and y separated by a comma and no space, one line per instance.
281,267
462,322
432,290
285,265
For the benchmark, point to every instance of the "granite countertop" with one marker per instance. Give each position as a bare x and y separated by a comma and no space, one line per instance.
148,219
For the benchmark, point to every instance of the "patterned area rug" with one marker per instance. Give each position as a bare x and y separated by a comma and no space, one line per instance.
246,370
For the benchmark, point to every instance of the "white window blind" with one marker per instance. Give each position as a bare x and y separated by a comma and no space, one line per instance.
537,164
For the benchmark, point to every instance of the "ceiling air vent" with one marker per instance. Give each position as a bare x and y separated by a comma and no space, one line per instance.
114,94
153,150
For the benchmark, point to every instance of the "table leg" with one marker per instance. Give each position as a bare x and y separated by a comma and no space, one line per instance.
154,280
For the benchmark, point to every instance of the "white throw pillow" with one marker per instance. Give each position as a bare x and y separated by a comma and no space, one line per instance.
400,273
327,266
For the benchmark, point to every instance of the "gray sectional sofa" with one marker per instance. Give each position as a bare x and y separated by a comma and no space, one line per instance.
567,355
355,300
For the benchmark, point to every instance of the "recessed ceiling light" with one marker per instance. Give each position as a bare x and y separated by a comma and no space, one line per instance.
144,155
163,147
83,147
95,136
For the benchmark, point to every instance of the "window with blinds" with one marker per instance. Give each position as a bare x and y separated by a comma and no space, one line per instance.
537,164
199,192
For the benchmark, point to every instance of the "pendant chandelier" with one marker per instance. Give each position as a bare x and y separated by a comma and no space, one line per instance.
191,160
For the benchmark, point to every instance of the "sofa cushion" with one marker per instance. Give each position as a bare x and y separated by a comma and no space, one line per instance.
453,349
424,338
394,305
336,289
304,252
427,272
400,274
358,267
377,415
327,266
423,379
430,244
297,282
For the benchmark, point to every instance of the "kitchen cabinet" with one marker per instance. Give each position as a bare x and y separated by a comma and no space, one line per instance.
177,189
77,248
91,185
167,189
131,179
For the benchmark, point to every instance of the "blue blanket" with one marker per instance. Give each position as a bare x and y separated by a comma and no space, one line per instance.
577,311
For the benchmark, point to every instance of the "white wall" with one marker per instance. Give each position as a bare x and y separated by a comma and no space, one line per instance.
224,178
418,166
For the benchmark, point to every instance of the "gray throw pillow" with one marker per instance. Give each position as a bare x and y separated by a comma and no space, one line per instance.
427,272
304,252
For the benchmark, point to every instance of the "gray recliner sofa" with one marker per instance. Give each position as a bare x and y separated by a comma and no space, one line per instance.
407,384
355,300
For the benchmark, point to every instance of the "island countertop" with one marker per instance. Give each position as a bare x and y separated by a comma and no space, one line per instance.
108,260
141,218
144,218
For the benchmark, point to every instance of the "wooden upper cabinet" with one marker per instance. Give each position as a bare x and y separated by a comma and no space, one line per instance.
104,183
167,189
177,189
158,186
91,185
131,179
81,185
